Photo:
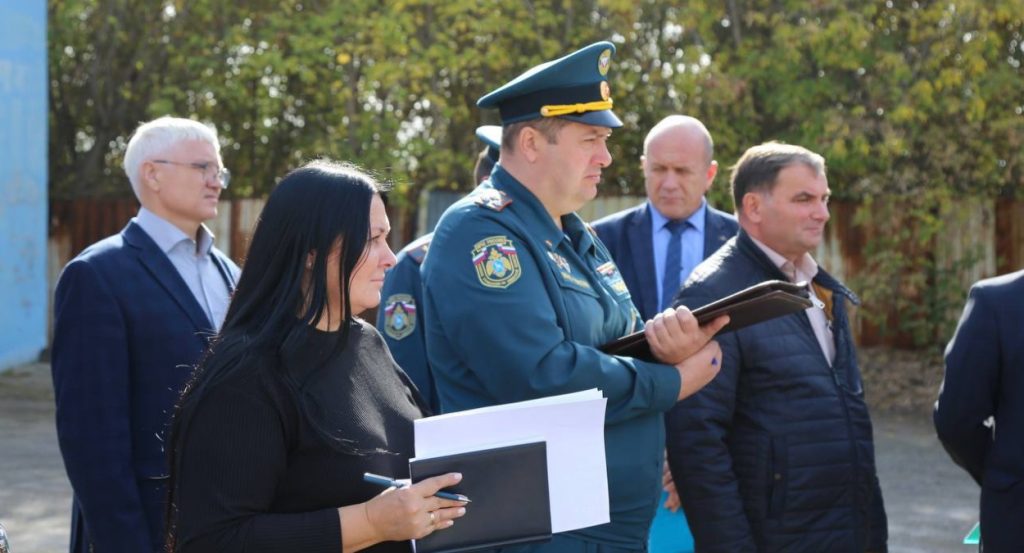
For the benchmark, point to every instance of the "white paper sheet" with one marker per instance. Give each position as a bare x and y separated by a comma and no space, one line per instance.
572,425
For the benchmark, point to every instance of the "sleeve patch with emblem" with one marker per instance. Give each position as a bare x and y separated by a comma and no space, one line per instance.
496,262
399,316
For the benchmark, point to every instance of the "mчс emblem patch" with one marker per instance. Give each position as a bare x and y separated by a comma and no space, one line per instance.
496,262
604,62
400,316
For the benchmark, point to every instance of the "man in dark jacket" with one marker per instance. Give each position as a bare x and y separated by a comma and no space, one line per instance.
985,382
132,315
659,242
776,454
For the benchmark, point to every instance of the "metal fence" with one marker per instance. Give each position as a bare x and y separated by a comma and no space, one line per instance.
994,229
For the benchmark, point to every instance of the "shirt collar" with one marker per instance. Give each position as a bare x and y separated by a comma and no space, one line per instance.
806,266
167,236
696,219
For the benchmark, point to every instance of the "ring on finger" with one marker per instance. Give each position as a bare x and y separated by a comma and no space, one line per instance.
433,518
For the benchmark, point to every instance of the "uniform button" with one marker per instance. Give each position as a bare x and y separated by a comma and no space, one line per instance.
778,476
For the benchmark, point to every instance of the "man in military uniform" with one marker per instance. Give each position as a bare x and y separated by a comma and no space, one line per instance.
519,293
402,291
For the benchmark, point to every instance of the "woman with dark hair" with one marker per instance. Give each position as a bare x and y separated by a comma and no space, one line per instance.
297,397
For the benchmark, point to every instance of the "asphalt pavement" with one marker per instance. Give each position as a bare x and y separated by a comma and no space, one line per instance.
931,503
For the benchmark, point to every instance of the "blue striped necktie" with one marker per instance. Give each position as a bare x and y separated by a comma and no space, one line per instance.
670,281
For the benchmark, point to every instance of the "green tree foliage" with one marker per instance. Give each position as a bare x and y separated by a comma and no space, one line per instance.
391,86
896,97
104,68
914,104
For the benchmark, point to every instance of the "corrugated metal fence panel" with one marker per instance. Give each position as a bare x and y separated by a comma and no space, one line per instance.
965,250
992,228
841,253
84,221
58,253
437,202
73,226
87,220
221,227
606,205
830,251
1009,235
970,233
440,200
245,213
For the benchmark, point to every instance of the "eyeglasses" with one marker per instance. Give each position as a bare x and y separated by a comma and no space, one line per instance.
209,170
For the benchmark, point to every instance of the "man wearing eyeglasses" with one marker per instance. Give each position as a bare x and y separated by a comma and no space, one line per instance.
132,315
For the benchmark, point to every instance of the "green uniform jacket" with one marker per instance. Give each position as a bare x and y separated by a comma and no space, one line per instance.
515,309
399,322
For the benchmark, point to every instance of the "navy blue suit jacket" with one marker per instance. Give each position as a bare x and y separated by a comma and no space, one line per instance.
127,332
627,235
985,378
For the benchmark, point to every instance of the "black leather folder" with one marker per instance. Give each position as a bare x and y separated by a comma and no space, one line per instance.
508,492
761,302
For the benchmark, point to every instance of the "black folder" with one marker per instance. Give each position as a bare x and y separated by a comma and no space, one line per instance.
508,491
761,302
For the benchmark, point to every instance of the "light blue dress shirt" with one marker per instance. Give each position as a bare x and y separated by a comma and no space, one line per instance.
692,242
195,265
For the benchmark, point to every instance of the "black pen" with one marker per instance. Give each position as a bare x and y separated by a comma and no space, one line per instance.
391,482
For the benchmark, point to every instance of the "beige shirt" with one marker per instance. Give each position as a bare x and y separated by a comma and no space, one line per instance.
805,270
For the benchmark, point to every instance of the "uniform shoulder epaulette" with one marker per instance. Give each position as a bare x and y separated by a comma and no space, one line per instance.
417,250
492,199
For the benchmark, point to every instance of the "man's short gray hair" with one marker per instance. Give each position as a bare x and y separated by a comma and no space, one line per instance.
159,135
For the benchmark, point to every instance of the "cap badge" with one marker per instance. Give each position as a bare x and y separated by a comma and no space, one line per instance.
604,61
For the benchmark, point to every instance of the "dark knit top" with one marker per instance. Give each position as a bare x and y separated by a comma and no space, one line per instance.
255,476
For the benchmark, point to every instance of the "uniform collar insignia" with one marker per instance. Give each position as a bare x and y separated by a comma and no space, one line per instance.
493,199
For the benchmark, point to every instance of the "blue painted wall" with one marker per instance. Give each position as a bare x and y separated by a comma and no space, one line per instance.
23,129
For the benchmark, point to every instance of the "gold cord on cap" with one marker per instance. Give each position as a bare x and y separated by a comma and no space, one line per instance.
556,110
